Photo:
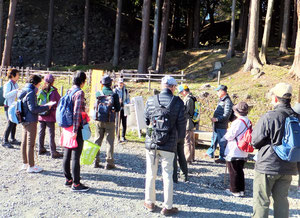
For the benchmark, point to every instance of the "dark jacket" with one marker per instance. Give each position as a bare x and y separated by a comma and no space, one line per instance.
109,91
189,105
268,132
223,112
178,120
30,108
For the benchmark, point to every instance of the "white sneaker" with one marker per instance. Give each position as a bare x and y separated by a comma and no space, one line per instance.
24,167
235,194
299,189
34,169
242,194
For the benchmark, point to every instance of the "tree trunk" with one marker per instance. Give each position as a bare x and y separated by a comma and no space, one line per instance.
156,32
285,29
295,20
49,34
295,70
267,30
117,34
252,53
9,33
143,57
1,26
85,46
163,37
281,19
190,28
211,17
247,35
196,23
231,51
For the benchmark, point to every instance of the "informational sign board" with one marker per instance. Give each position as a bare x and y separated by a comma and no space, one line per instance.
96,86
136,117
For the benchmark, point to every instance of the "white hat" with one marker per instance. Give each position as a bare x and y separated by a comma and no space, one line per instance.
168,80
281,89
121,80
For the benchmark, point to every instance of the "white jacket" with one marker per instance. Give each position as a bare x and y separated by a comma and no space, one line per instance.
10,92
235,132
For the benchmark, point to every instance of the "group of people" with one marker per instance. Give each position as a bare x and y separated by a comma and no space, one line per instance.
169,138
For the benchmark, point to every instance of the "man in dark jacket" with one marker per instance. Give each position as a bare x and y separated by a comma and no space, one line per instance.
164,151
107,127
220,123
273,176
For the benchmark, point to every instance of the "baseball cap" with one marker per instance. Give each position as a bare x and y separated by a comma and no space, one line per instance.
282,90
168,80
49,78
182,87
106,80
296,108
121,80
222,87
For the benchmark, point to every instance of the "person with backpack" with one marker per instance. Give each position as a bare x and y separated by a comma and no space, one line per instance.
296,108
123,94
47,119
30,112
220,122
273,175
73,101
10,93
189,108
235,157
164,114
107,104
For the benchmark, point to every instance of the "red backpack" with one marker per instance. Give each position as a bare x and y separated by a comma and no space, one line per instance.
244,143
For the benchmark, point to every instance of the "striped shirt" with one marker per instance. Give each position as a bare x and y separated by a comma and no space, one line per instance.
79,107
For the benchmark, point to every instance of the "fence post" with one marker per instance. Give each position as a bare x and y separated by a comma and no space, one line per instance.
181,77
27,72
48,72
219,77
91,75
22,74
61,91
149,83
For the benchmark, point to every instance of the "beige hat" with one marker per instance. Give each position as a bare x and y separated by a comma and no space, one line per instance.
281,89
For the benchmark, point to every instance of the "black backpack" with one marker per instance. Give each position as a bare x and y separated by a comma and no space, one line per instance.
161,121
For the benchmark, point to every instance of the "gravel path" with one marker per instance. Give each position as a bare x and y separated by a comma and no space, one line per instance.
119,192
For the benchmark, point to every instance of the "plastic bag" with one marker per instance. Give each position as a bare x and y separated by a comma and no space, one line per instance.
89,153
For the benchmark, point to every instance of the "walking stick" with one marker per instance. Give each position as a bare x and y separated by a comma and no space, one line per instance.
225,176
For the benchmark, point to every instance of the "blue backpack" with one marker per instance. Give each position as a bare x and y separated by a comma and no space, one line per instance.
15,112
104,108
290,148
64,110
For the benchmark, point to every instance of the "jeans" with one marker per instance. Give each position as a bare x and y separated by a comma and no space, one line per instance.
10,128
167,159
215,140
75,154
263,186
181,159
51,127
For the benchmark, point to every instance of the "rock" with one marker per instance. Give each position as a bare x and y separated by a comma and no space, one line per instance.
213,74
218,65
204,94
255,71
257,76
248,96
205,86
173,69
192,76
234,96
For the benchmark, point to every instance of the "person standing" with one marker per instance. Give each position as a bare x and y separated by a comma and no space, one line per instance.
107,104
123,93
10,93
235,157
164,111
296,108
220,121
30,111
78,101
272,175
48,93
189,105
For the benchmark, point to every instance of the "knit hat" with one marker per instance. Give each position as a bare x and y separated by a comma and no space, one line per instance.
49,78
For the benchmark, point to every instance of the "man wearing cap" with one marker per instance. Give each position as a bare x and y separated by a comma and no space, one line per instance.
107,128
166,151
124,99
272,176
189,108
220,121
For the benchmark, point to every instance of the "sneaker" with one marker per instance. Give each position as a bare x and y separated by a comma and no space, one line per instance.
123,139
15,142
235,194
56,155
169,212
299,189
7,145
79,188
24,167
220,161
242,194
42,151
34,169
69,183
149,207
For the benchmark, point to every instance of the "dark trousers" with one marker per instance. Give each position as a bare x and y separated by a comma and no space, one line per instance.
236,174
75,154
10,128
42,132
181,159
124,122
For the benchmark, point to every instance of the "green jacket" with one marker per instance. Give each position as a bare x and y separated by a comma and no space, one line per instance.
189,105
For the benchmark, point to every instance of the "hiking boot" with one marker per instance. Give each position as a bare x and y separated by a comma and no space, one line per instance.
56,155
15,142
79,188
34,169
97,164
42,151
169,212
69,182
220,161
109,166
149,207
7,145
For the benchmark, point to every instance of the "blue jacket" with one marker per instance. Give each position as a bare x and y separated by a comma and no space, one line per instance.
10,92
30,108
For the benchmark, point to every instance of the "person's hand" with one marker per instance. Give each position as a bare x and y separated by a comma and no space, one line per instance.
214,120
74,136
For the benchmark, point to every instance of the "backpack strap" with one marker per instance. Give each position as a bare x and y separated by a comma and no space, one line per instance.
74,91
243,129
